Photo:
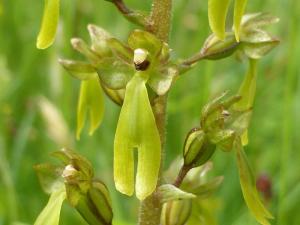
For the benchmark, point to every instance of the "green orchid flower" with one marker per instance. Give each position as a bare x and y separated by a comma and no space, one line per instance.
137,127
125,71
49,24
74,182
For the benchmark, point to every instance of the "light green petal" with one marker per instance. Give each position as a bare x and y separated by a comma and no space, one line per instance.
239,9
248,186
51,212
90,100
217,12
247,91
49,24
136,129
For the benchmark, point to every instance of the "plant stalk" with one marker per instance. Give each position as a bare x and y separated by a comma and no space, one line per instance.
160,24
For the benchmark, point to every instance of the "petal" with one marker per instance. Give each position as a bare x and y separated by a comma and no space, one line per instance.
248,186
90,100
51,212
239,8
217,12
49,24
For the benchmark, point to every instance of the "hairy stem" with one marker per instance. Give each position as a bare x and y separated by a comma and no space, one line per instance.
160,23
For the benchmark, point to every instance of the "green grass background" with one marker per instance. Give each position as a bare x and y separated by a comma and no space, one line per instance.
27,73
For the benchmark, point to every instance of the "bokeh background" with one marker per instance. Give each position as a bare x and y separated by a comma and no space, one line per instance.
38,107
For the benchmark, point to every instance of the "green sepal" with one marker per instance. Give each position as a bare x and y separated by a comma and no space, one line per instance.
248,186
49,24
82,47
49,177
247,91
239,9
114,74
161,81
208,188
99,38
145,40
217,12
258,50
136,129
51,213
90,101
120,50
79,70
169,192
258,20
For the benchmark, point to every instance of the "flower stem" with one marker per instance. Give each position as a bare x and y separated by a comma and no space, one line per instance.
160,23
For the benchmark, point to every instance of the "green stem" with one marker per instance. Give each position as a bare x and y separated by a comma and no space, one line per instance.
160,23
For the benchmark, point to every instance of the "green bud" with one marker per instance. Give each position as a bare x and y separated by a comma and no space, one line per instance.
197,148
95,205
49,24
176,212
215,49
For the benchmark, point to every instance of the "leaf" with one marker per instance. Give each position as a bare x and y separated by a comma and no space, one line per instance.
247,91
51,212
217,12
49,24
169,192
248,186
79,70
239,8
90,100
136,129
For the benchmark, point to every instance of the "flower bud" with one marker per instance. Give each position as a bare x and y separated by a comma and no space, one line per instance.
214,48
197,148
95,205
176,212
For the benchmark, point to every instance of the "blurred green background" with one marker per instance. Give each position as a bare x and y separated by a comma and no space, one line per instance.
27,135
